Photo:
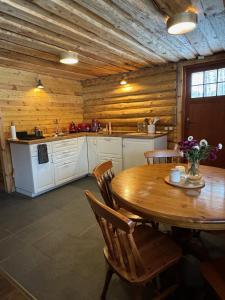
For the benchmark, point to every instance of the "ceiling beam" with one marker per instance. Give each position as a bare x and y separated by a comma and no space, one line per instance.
147,14
76,14
47,65
21,65
32,31
80,68
128,24
21,40
35,15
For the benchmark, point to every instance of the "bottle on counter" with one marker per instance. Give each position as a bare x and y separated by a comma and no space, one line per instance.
13,131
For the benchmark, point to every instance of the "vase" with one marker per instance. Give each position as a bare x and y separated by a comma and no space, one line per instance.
193,172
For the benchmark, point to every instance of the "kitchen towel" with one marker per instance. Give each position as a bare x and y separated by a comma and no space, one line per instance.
42,154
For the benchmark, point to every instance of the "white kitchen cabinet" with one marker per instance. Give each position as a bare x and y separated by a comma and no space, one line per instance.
92,153
82,157
44,178
65,172
31,178
110,148
110,145
70,159
117,162
133,150
65,158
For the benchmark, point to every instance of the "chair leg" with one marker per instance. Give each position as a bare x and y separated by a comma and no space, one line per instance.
155,225
138,292
108,277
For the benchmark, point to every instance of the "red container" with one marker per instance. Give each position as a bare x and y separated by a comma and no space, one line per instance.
84,127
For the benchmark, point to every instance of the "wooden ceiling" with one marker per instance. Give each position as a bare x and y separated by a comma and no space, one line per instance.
110,36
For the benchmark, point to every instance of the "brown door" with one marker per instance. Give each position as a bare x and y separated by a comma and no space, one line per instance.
205,107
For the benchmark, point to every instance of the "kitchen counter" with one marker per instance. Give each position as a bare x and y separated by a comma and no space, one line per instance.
134,135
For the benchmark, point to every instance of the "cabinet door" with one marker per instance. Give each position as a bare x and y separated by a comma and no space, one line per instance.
117,165
82,156
110,145
133,152
65,172
43,175
117,162
92,154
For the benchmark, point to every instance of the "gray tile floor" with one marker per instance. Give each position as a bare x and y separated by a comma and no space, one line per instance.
53,247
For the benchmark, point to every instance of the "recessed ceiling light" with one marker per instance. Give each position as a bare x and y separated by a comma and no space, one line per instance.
69,58
182,23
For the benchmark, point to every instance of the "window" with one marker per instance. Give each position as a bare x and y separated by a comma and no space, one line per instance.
210,83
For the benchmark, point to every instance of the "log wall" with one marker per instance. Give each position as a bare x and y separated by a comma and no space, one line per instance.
28,107
149,92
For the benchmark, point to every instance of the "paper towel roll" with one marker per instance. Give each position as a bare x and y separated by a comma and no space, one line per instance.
13,132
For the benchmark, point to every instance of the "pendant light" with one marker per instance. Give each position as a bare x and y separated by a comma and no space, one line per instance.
39,84
69,58
182,23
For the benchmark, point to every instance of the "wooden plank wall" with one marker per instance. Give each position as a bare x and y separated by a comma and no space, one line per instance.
29,107
150,92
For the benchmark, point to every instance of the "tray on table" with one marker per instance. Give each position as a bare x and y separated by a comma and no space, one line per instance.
185,184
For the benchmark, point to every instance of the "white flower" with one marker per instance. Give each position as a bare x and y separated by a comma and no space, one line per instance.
203,143
196,147
190,138
220,146
181,153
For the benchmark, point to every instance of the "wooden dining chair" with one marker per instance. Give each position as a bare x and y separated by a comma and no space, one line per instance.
104,175
137,254
162,156
214,273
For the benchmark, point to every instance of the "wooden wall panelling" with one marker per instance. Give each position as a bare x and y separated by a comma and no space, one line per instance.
150,92
6,179
28,107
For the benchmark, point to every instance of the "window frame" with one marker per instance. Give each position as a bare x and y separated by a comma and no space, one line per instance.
202,68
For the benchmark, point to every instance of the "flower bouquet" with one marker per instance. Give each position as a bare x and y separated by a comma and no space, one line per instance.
195,151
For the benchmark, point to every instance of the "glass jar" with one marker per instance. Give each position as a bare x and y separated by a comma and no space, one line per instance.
193,172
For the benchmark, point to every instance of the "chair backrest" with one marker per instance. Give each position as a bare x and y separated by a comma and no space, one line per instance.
104,175
162,156
117,232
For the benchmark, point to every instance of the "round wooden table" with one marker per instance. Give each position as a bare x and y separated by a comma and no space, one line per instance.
143,190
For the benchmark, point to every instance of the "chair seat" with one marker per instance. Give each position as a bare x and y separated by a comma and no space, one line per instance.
214,272
157,250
